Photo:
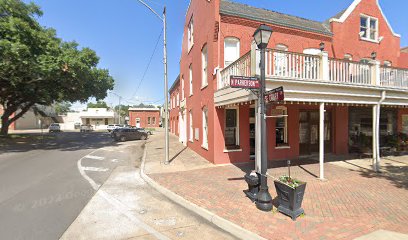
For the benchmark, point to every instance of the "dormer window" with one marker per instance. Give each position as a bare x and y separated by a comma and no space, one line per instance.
368,28
190,34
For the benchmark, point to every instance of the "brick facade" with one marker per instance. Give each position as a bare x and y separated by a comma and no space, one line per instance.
211,29
144,115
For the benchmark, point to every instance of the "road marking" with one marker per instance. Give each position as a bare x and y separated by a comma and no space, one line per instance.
94,157
95,169
94,185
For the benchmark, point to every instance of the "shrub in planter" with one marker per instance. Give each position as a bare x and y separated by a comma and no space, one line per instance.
290,196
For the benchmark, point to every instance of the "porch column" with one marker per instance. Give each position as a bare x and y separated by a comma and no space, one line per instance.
257,137
321,141
374,138
378,159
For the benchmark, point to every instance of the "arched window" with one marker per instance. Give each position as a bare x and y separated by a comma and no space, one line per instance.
311,63
231,50
281,61
204,64
205,128
387,63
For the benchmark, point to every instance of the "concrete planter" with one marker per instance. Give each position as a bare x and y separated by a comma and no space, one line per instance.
290,199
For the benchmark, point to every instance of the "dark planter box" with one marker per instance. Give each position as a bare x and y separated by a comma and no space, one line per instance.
290,200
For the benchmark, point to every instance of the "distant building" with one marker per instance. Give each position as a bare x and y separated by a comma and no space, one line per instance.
99,118
144,117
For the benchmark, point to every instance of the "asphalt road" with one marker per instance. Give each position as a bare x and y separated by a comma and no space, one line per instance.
41,188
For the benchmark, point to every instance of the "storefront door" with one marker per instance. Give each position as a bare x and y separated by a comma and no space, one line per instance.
309,132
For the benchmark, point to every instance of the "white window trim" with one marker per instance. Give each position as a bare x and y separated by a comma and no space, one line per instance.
190,75
369,18
191,127
238,48
237,132
205,136
204,72
285,112
190,34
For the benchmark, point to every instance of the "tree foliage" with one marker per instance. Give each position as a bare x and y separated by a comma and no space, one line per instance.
98,104
62,107
36,67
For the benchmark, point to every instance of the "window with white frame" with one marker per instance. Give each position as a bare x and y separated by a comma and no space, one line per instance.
231,133
281,127
368,28
182,88
204,62
281,60
231,50
191,79
154,120
191,133
190,34
205,128
178,100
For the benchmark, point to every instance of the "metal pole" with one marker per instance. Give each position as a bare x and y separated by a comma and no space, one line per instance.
264,201
119,108
166,94
321,140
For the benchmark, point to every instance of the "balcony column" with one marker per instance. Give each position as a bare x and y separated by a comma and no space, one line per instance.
324,66
321,140
257,136
374,138
375,72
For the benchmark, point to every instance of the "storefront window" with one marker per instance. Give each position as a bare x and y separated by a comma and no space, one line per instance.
281,127
231,128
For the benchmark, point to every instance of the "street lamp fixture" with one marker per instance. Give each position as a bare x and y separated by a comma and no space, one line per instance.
262,36
322,46
264,199
374,55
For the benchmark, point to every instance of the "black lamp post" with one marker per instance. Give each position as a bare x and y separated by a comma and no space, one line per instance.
373,55
264,199
322,46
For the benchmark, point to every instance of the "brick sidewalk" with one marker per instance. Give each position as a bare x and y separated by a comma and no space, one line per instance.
353,202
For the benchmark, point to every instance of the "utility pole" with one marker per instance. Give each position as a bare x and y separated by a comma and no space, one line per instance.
166,93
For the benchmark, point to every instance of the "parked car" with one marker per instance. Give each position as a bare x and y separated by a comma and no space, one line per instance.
54,127
86,128
145,130
125,134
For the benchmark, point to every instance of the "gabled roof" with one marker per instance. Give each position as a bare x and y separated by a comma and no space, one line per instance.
341,18
175,83
276,18
405,49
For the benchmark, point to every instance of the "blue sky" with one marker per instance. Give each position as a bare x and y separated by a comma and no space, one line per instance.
124,34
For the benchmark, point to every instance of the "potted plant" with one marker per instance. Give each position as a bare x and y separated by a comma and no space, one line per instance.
290,195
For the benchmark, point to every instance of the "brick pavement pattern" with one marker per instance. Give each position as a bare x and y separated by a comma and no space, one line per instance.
351,203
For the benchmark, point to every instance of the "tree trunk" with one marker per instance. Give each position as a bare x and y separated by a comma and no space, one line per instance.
4,126
6,121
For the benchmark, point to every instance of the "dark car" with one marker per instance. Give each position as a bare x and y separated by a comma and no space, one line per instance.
125,134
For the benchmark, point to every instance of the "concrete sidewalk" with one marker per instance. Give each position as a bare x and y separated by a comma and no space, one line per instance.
354,202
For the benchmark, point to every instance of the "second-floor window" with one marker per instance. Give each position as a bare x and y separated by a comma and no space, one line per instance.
190,34
204,61
369,28
231,50
182,88
191,79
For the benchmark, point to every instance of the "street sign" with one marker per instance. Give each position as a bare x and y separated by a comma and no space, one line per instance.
274,95
244,82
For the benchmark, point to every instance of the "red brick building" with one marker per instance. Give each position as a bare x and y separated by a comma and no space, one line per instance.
174,106
144,117
341,77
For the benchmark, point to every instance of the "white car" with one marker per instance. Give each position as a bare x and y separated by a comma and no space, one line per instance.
54,127
112,127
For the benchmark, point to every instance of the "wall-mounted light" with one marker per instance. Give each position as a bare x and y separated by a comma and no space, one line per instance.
373,55
380,39
322,45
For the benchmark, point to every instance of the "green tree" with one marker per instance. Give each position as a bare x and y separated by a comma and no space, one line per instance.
36,67
98,104
62,107
123,110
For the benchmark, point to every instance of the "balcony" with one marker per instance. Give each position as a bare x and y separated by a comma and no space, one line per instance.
306,77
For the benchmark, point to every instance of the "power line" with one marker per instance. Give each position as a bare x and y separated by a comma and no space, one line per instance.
148,65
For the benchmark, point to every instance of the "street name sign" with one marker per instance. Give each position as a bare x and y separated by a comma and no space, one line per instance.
274,95
244,82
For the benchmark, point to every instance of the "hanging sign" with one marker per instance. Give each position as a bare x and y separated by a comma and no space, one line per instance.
274,95
244,82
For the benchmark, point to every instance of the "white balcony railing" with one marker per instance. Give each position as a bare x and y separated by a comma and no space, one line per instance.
394,77
344,71
241,67
284,64
305,67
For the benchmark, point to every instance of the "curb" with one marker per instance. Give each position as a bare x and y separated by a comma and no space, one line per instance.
220,222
